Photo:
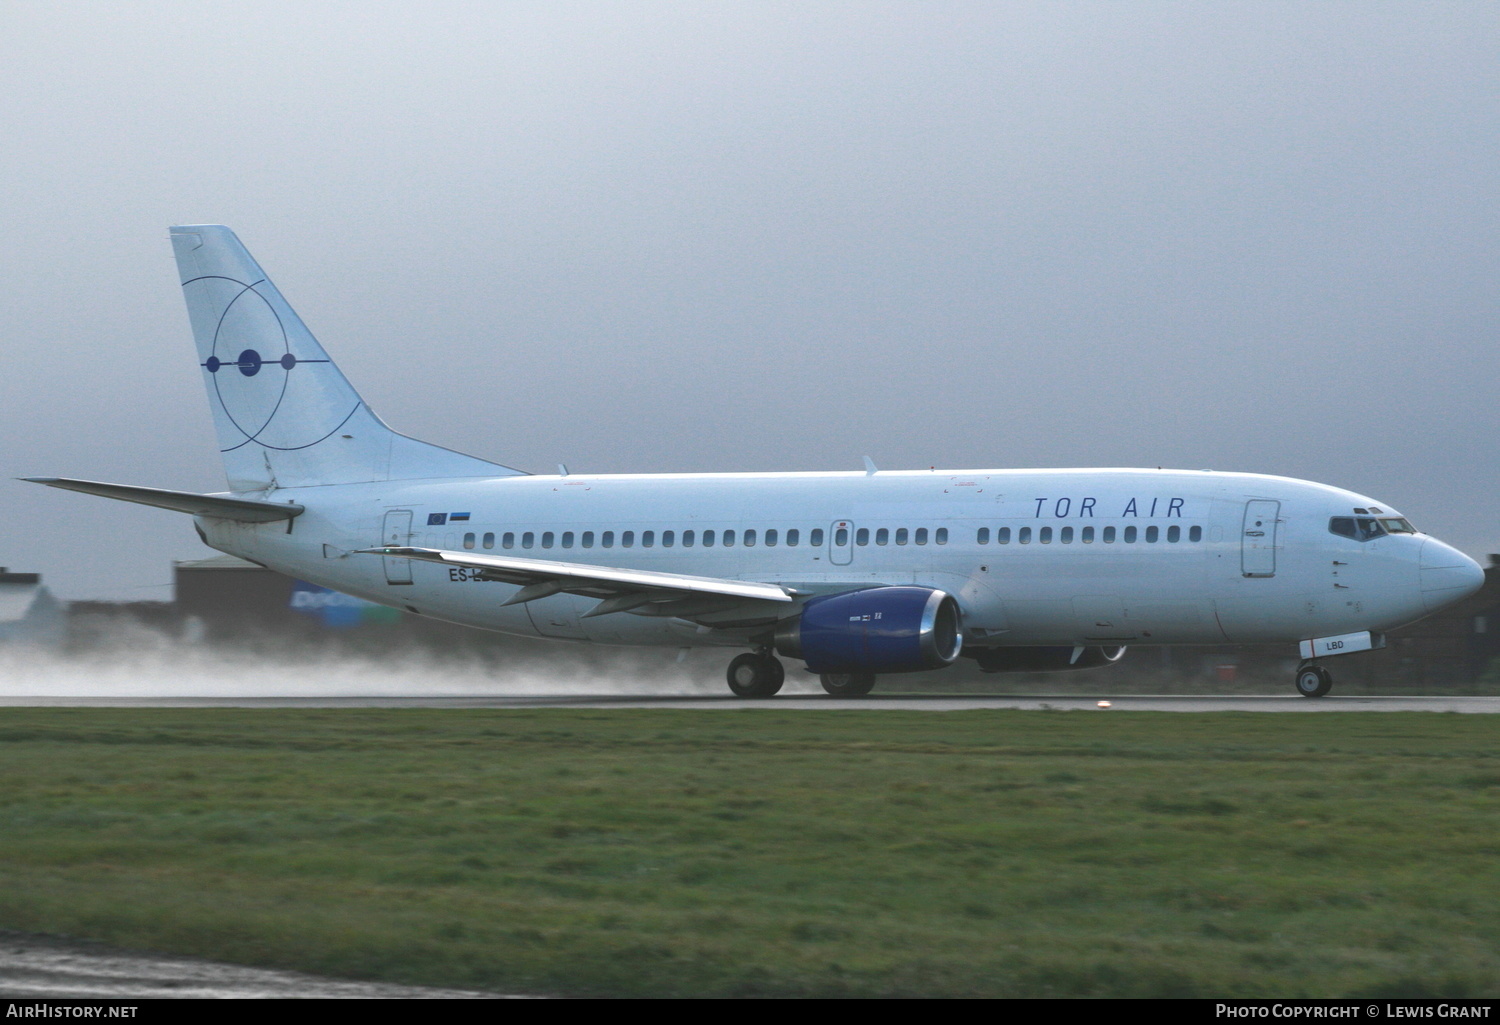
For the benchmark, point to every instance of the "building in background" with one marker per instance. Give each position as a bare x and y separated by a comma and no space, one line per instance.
225,600
28,613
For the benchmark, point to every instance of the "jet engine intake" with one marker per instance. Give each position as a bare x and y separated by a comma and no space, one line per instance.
875,630
1044,659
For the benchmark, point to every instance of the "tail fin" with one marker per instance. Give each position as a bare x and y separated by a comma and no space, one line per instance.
285,415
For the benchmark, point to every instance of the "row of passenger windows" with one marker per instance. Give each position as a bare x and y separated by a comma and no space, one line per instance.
650,538
1086,534
884,535
793,537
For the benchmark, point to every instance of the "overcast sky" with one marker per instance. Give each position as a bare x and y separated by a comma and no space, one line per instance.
740,236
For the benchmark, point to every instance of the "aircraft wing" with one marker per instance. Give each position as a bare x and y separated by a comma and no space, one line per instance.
645,592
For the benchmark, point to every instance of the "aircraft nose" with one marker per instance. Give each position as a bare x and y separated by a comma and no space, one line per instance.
1447,574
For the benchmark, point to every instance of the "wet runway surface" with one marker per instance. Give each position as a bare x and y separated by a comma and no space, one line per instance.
801,702
48,968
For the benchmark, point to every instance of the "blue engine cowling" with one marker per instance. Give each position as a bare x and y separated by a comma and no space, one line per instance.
876,630
1049,659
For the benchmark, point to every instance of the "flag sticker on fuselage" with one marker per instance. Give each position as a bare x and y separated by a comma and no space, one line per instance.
457,517
437,519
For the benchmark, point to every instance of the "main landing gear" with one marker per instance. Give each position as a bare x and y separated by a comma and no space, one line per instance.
755,675
1313,681
760,675
848,685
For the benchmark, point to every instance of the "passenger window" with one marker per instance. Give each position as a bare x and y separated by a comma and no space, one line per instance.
648,539
862,536
489,540
1087,535
667,538
883,536
588,539
728,539
921,535
708,539
1109,535
841,536
687,539
509,540
608,539
1045,535
567,539
792,537
902,535
941,536
1024,536
1152,533
1066,535
771,538
1002,536
983,537
547,539
749,539
1174,534
469,541
816,538
627,539
528,539
1195,534
1130,535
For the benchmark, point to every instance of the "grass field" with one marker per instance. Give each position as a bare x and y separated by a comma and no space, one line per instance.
761,852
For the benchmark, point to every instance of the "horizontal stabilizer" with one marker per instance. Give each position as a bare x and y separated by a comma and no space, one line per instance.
221,507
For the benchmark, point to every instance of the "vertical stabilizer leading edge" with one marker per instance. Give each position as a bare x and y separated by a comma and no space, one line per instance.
285,415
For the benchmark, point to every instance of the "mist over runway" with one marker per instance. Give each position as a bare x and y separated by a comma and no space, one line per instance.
143,668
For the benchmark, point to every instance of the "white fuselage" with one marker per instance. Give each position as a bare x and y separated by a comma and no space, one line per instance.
1090,556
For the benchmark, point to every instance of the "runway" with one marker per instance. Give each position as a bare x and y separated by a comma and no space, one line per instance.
35,967
794,702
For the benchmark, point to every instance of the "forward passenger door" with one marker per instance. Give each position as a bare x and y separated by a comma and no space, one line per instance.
1258,539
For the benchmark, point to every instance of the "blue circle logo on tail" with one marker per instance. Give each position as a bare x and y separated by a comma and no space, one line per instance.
261,385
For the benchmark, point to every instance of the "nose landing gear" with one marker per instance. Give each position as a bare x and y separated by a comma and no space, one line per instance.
755,675
1313,681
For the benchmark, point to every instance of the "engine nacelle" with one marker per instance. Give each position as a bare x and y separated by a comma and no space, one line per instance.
1045,659
876,630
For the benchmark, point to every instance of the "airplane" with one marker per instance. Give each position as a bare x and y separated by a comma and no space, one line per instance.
856,574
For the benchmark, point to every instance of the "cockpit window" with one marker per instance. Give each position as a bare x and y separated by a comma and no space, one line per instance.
1365,528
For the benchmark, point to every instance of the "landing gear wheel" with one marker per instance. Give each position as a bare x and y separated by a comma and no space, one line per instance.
1313,681
848,685
755,676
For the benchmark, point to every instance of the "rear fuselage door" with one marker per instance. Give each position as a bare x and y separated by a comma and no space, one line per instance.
396,533
841,543
1258,539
